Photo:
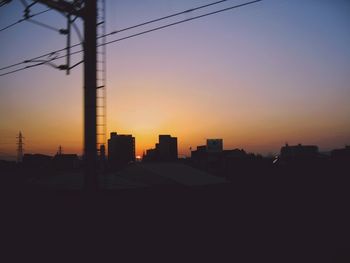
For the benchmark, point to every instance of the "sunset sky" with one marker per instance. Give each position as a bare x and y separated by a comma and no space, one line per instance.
273,72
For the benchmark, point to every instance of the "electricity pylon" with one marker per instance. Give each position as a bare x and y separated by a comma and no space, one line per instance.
20,147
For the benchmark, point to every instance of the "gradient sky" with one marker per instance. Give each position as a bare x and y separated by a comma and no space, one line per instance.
258,76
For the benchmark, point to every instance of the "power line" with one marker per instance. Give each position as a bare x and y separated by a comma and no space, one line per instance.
4,2
20,69
40,63
120,39
166,17
118,31
13,24
180,22
24,19
41,56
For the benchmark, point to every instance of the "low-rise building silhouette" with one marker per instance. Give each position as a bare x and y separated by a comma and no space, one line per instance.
102,160
200,153
226,163
214,145
298,153
121,149
66,161
212,149
209,155
341,155
36,161
151,154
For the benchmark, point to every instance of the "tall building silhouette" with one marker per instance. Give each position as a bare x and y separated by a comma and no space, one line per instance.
165,150
121,149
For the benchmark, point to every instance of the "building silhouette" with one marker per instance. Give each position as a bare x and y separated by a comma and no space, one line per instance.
36,161
298,153
200,153
209,155
214,145
121,149
341,155
64,161
165,150
102,160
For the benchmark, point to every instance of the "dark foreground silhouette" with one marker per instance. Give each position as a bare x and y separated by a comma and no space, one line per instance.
295,213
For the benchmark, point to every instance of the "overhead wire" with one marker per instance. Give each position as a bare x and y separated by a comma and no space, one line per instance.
135,26
121,39
39,64
180,22
24,19
41,56
4,2
167,17
122,30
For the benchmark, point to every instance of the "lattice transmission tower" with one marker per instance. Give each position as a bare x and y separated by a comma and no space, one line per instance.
20,148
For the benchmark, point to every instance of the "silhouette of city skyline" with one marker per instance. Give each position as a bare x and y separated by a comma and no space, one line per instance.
228,126
212,155
232,185
168,147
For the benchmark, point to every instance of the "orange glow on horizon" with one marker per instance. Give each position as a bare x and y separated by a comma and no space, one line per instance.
256,86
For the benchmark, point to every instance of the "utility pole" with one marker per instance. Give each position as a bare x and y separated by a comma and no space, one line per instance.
90,138
87,10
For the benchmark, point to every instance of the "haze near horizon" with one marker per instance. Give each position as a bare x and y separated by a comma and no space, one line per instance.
257,76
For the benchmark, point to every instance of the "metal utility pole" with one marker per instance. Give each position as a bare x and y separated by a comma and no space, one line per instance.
87,10
90,140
